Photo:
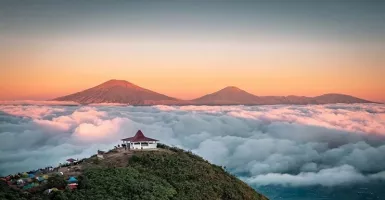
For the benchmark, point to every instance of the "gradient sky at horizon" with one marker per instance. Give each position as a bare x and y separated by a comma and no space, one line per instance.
186,49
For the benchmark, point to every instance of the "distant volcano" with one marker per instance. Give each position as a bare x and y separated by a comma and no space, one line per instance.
228,95
120,91
235,96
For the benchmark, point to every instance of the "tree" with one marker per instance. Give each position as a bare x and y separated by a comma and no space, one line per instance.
59,195
56,182
83,182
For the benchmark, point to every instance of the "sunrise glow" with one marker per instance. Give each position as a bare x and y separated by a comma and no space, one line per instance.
186,50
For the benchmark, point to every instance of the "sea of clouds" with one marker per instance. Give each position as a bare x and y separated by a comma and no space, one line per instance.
286,145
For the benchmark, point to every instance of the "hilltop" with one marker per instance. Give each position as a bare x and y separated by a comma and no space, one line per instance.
124,92
165,174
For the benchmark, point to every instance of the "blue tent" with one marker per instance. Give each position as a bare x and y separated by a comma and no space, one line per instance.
31,175
27,187
72,180
40,178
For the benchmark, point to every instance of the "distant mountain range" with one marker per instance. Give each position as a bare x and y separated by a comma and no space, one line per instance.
124,92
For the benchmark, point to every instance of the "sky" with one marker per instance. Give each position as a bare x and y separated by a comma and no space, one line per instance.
186,49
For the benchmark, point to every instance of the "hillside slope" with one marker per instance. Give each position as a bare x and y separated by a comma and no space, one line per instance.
164,174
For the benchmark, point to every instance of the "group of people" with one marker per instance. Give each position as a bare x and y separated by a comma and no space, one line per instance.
76,162
125,146
43,170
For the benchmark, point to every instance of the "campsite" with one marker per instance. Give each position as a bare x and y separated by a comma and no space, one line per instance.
161,173
45,179
64,176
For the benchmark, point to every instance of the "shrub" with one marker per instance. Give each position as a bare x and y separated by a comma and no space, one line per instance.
191,176
56,182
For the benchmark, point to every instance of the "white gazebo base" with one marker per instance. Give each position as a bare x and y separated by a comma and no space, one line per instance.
141,145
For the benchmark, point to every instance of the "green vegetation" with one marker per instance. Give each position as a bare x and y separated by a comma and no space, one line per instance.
191,176
167,174
56,182
8,193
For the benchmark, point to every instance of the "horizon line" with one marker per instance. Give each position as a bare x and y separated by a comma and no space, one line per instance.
222,88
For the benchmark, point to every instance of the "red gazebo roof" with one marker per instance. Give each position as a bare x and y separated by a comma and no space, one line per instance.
139,137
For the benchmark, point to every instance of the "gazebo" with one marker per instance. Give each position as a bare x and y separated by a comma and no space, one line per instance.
71,160
139,141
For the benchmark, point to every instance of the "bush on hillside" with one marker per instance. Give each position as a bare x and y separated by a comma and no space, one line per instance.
191,176
121,183
56,182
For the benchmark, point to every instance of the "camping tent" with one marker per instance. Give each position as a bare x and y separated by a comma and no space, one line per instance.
40,178
72,180
45,176
72,186
20,181
47,191
25,175
31,175
27,187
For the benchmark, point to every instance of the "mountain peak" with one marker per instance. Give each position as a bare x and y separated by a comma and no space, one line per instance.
115,82
118,91
231,89
230,95
338,98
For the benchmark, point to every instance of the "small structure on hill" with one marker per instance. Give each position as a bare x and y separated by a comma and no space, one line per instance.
20,182
72,186
71,160
72,180
139,141
100,154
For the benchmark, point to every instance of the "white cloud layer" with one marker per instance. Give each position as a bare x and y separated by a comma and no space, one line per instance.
33,102
281,144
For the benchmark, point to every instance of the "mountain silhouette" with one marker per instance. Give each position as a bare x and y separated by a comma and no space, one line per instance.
124,92
118,91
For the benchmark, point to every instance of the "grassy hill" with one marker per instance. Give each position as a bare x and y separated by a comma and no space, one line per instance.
166,174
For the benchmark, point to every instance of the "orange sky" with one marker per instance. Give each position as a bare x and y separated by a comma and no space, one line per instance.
186,50
188,70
